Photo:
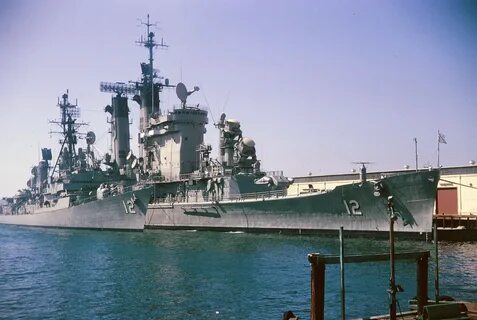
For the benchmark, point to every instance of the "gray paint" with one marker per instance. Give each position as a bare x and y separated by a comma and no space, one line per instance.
109,213
414,193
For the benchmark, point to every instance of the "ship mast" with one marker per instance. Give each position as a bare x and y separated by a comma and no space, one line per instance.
69,114
144,91
150,44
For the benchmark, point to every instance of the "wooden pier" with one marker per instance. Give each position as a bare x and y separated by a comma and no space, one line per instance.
425,309
318,266
462,311
456,227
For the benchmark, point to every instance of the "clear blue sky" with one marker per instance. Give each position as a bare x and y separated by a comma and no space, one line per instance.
316,84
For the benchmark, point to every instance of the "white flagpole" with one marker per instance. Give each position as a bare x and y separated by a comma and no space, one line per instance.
438,149
415,145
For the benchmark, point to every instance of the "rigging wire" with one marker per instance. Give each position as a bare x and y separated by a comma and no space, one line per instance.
459,184
207,102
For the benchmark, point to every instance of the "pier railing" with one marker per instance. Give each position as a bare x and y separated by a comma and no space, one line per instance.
233,197
117,190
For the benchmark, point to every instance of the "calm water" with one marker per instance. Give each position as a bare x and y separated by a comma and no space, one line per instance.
73,274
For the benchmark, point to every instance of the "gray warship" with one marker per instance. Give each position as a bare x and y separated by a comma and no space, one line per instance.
76,192
193,190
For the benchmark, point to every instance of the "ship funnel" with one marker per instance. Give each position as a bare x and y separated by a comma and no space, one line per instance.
119,111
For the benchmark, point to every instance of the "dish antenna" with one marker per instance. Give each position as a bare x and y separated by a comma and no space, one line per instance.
90,138
182,92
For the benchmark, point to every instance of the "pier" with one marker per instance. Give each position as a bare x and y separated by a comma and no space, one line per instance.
318,266
425,309
456,227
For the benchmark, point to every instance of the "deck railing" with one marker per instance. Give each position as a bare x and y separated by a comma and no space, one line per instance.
234,197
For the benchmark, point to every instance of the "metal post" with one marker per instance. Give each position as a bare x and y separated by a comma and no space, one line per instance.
415,145
436,248
343,303
438,149
317,310
422,278
392,279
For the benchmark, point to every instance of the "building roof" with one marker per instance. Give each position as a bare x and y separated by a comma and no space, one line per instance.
445,171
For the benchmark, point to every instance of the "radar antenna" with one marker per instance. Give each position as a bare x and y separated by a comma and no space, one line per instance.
90,138
362,163
119,88
182,93
150,44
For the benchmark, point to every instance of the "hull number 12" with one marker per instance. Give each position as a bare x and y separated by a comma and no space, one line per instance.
352,208
129,205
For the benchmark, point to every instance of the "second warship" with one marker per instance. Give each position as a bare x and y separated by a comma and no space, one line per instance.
76,192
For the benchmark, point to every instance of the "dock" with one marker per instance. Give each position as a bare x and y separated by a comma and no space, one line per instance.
318,267
456,227
423,308
420,308
468,311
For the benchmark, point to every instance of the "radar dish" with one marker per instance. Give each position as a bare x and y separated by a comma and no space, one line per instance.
90,137
248,142
181,92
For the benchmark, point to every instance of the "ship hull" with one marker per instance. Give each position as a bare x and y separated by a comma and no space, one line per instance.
356,207
125,211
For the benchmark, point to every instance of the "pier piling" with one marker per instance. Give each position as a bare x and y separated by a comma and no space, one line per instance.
317,311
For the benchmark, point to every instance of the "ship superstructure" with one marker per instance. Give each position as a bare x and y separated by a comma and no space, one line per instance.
168,140
171,142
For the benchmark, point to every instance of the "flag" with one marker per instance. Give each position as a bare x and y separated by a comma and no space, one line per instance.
441,138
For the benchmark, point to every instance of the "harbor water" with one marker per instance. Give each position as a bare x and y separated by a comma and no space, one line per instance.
79,274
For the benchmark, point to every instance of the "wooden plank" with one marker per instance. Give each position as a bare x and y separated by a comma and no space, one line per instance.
374,257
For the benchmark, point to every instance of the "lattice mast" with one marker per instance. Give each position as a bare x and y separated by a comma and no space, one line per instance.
69,114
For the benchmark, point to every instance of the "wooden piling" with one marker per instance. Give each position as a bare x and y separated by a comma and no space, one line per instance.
317,307
422,278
